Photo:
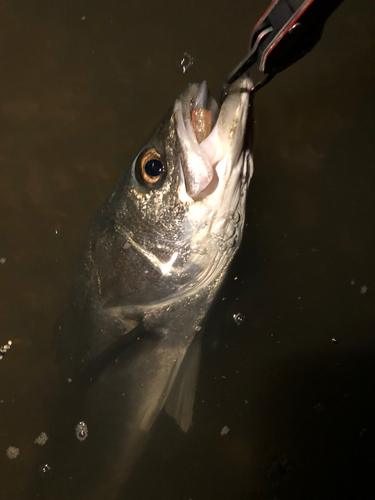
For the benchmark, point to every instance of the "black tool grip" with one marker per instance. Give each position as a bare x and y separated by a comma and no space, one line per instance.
297,26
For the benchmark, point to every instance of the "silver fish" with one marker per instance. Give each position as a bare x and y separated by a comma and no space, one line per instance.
156,256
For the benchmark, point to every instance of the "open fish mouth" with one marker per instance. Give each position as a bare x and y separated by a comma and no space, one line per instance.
209,134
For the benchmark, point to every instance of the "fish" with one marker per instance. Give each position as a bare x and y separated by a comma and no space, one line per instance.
156,254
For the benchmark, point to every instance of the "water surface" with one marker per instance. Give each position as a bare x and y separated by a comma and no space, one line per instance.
82,86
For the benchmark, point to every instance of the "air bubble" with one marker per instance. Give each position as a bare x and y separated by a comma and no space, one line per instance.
238,318
44,470
13,452
186,62
41,439
81,431
224,430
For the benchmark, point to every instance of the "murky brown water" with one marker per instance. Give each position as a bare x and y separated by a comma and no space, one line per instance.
82,86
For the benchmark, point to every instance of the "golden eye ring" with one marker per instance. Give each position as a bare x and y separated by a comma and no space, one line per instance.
152,167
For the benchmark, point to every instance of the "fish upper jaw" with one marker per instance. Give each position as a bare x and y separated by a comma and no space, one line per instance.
210,140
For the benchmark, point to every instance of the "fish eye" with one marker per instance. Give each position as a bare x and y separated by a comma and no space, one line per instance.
152,168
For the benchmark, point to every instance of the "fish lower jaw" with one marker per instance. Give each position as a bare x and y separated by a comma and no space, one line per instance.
203,147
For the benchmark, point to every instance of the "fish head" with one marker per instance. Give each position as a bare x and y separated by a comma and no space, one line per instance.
181,205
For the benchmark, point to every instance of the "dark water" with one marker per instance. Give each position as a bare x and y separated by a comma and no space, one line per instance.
82,86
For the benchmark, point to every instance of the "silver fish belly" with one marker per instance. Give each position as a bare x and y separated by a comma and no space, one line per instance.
155,257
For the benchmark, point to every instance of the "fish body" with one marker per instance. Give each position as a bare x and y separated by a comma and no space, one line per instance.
155,257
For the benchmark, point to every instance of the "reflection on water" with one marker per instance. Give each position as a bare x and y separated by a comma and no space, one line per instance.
82,87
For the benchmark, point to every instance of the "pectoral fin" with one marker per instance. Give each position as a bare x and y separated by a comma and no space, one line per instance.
180,402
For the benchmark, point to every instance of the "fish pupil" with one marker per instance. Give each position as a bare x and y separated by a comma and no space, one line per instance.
154,168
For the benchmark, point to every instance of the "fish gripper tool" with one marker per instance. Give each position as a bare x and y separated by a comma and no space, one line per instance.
287,31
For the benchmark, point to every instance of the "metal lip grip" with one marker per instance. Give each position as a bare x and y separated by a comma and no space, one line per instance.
287,31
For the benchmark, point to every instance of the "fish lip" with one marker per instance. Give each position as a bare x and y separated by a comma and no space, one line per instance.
199,160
